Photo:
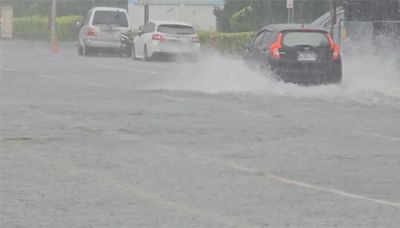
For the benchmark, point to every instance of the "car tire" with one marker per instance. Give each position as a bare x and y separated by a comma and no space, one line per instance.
134,53
86,51
335,74
146,54
80,49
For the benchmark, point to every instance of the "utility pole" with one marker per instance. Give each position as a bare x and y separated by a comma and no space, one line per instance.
333,18
289,6
54,41
146,13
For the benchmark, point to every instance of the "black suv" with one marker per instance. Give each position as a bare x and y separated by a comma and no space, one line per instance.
301,54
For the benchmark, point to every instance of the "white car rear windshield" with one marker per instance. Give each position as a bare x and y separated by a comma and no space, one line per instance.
176,29
110,18
314,39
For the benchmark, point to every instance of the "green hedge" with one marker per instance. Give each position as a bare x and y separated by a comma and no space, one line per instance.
38,28
226,43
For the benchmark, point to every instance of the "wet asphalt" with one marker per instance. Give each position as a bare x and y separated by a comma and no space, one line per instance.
101,142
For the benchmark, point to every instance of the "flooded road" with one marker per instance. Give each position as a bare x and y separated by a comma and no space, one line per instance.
111,142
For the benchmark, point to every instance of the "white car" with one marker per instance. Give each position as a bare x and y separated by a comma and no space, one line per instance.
101,30
166,38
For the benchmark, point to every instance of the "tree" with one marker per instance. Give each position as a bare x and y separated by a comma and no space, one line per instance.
64,7
266,12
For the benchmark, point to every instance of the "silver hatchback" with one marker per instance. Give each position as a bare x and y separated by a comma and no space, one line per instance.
101,30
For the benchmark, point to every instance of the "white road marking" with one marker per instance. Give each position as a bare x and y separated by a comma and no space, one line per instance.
124,69
301,184
375,135
48,76
7,69
314,187
96,85
255,114
155,65
171,98
18,55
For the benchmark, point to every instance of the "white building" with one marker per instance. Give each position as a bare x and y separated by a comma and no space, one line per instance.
199,13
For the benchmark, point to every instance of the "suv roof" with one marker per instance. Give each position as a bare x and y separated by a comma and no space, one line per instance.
158,22
109,9
284,27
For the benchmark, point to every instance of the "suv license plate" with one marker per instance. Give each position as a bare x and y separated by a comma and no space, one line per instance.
306,56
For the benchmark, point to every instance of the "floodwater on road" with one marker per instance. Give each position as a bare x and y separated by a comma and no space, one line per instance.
111,142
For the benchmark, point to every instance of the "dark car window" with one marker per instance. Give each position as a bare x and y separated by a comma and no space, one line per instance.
314,39
176,29
258,40
86,20
110,18
269,38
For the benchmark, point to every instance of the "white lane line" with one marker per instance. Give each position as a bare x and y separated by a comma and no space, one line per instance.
155,65
7,69
48,76
18,55
300,184
314,187
96,85
124,69
255,114
171,98
375,135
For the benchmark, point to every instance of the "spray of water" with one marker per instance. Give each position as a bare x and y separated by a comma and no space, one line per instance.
367,77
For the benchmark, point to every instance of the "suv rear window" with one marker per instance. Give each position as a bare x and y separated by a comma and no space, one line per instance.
314,39
110,18
176,29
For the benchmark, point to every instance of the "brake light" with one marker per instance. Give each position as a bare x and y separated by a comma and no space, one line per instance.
157,36
196,39
335,48
274,49
91,31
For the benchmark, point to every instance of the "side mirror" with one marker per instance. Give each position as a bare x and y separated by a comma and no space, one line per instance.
140,30
78,24
247,45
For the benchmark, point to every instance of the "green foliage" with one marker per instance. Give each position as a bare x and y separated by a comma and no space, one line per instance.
226,43
38,27
23,8
66,29
224,15
34,27
243,20
265,12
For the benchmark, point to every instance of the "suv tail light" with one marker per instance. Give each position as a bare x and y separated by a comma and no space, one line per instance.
196,39
274,49
91,31
335,48
157,36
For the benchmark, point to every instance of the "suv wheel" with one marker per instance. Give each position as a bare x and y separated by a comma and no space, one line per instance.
335,74
80,49
146,54
133,52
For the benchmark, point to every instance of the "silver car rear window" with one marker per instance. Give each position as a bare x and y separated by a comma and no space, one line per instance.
110,18
176,29
298,38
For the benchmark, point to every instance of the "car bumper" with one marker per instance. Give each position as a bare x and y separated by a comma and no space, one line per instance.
103,44
307,73
160,47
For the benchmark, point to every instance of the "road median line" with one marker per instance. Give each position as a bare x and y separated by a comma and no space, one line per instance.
301,184
171,98
379,136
